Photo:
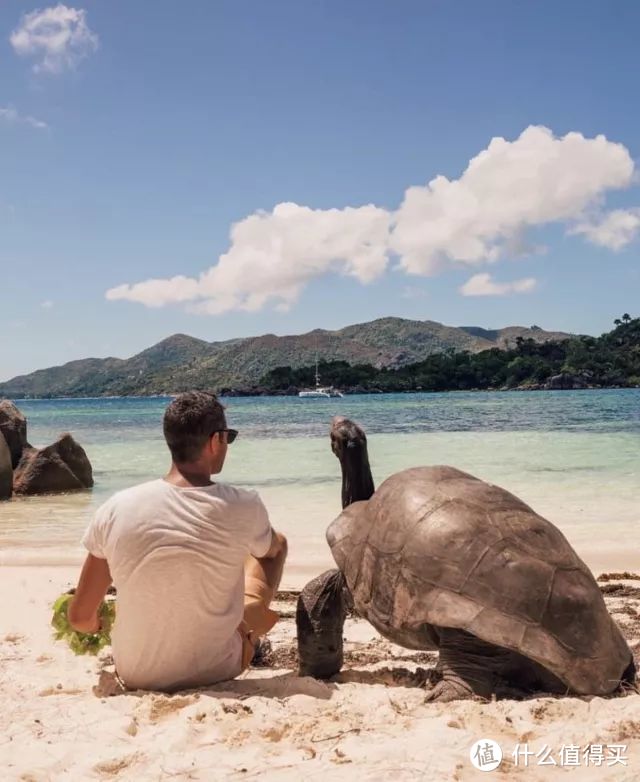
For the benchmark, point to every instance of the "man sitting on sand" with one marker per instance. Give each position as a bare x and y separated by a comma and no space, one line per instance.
195,563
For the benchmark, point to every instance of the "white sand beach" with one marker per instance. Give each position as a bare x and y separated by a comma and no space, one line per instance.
58,723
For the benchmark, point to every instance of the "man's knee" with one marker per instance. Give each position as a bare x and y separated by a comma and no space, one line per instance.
284,546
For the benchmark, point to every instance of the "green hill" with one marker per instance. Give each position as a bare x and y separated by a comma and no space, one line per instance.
611,360
181,362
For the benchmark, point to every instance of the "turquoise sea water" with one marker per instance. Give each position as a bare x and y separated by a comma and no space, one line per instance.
574,456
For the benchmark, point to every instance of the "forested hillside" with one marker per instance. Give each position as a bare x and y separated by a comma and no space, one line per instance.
181,362
577,362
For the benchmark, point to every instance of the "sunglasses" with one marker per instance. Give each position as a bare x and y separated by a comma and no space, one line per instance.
231,434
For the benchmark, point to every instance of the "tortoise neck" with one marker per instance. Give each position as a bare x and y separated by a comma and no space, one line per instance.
357,480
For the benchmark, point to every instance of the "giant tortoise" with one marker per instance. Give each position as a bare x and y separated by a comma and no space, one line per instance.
438,559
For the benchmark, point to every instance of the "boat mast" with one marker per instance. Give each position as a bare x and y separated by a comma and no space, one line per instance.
317,375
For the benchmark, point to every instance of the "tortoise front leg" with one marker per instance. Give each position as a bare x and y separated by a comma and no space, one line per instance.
320,615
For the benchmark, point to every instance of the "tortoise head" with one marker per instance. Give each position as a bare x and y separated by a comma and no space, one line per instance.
349,444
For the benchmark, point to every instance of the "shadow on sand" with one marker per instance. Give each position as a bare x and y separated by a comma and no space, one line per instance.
279,686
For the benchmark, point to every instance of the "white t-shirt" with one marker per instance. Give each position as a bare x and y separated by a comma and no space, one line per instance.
176,556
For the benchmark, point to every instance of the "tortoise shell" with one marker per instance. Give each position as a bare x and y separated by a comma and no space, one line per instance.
437,547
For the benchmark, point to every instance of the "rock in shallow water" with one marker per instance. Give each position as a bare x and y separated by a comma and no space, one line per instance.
6,470
13,426
62,466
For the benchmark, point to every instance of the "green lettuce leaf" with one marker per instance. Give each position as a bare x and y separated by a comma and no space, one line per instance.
82,643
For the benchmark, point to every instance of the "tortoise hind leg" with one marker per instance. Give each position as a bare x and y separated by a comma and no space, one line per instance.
466,665
473,668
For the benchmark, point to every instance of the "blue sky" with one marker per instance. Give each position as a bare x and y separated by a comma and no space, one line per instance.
167,123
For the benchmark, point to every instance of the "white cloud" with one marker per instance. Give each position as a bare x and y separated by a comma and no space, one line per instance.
47,305
13,117
273,255
482,284
476,220
614,230
507,188
58,37
157,293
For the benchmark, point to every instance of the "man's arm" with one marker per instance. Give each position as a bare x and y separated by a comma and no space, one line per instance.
95,579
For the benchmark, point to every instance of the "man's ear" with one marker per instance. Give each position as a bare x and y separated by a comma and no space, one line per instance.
217,440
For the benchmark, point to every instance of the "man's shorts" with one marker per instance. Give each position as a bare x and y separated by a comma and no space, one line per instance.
258,617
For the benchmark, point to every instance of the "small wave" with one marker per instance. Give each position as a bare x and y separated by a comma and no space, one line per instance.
292,481
570,469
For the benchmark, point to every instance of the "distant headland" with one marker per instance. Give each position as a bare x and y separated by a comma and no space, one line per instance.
388,354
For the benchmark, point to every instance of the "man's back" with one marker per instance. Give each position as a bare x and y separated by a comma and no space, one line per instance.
176,556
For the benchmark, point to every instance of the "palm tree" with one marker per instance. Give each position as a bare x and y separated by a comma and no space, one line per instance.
626,317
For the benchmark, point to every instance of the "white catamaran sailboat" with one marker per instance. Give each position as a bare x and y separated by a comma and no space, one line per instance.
319,392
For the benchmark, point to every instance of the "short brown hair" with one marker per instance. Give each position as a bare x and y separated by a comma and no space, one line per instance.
189,422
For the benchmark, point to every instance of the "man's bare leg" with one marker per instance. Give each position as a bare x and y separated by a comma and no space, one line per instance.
267,571
262,578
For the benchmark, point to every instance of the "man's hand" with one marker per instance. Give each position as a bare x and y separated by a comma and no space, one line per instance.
278,545
95,579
